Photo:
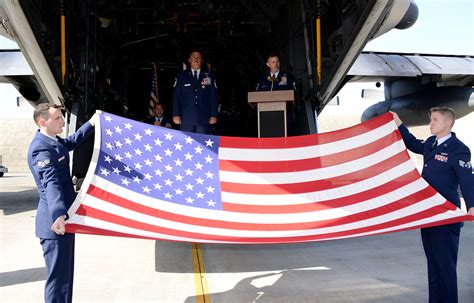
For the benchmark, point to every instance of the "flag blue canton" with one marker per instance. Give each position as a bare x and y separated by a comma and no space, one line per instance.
165,164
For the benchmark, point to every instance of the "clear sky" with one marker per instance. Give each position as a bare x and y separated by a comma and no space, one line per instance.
443,27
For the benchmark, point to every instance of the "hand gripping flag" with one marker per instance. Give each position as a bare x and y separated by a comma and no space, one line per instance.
158,183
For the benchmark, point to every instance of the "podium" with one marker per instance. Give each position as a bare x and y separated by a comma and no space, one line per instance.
271,109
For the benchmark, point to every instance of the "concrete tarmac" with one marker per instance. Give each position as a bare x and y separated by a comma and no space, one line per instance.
387,268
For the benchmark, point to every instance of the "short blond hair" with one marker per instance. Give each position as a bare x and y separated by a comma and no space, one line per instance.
445,111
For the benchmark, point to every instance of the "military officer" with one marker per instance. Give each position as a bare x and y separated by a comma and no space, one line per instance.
195,97
447,165
275,79
48,160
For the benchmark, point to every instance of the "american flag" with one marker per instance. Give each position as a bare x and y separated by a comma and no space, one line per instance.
158,183
154,91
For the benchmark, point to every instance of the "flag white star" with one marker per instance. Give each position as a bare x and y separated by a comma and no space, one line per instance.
168,152
198,150
116,171
104,172
138,152
199,181
128,141
158,141
208,159
148,147
168,136
179,177
109,145
168,168
188,172
210,189
168,196
178,191
211,203
146,189
138,166
138,137
178,162
108,159
118,157
108,118
128,155
178,146
118,144
148,132
108,132
125,182
200,195
189,200
189,186
168,182
148,162
188,156
147,176
127,169
158,158
189,140
209,175
136,179
158,172
209,142
157,186
128,126
198,166
118,130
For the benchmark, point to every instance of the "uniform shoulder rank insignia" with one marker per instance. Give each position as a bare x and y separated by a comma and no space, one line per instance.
465,164
43,163
283,81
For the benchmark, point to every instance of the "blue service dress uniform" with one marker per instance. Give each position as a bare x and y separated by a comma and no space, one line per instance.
445,167
48,160
284,81
195,101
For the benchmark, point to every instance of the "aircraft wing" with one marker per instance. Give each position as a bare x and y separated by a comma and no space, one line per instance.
13,63
384,67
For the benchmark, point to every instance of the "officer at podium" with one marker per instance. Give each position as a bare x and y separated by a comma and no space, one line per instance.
276,79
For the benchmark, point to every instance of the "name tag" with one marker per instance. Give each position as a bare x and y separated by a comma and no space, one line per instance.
187,84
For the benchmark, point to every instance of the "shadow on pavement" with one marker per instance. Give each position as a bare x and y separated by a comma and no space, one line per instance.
16,202
22,276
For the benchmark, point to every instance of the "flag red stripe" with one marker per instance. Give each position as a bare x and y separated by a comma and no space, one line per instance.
84,229
303,187
320,205
131,205
311,163
307,140
100,215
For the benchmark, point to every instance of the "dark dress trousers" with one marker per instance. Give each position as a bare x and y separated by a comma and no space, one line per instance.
445,167
48,160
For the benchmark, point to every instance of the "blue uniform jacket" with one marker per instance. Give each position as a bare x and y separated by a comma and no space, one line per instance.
445,166
195,101
284,81
48,160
